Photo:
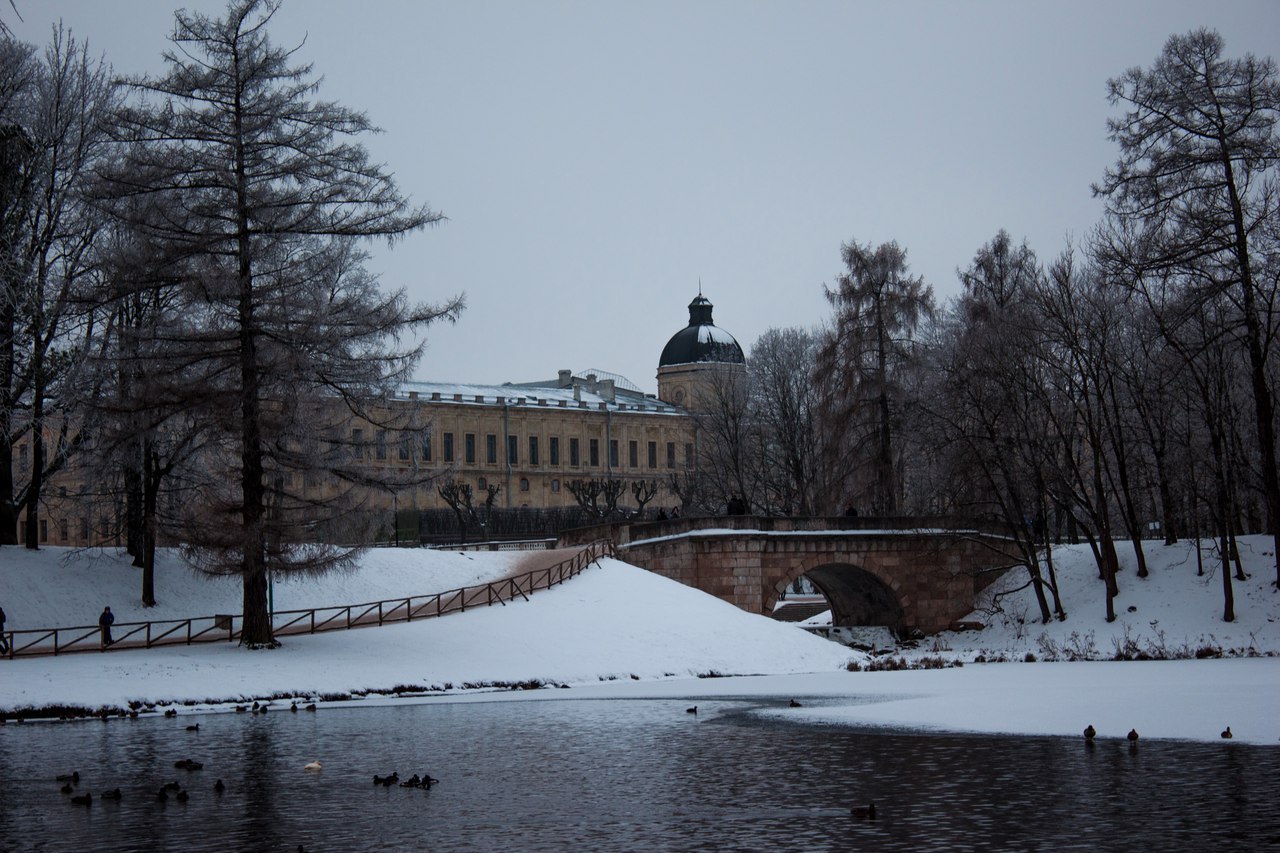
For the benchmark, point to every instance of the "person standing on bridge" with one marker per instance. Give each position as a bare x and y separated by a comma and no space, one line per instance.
105,621
4,640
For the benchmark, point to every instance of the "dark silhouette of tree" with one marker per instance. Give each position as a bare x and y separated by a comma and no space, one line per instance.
458,495
643,491
257,192
598,495
51,110
786,404
1194,195
878,308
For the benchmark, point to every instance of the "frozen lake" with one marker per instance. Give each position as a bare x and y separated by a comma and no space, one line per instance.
617,775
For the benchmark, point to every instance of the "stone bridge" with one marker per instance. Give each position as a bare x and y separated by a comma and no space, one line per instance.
910,574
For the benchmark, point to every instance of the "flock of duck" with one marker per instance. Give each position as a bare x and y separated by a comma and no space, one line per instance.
425,781
1090,733
174,788
71,781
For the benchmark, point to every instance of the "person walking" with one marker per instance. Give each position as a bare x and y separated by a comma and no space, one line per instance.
105,621
4,639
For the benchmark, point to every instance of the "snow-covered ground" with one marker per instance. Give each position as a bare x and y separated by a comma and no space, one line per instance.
620,631
1172,613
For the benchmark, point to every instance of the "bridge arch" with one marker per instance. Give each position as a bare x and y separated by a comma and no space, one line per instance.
857,595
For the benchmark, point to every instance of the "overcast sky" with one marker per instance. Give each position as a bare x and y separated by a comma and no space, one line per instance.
597,160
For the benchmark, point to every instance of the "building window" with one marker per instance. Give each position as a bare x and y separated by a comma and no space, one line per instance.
595,453
513,450
633,454
84,530
470,448
380,444
406,446
483,484
491,449
613,453
573,452
671,454
555,485
553,447
22,457
688,456
426,447
357,443
448,447
524,484
62,529
533,450
653,454
44,530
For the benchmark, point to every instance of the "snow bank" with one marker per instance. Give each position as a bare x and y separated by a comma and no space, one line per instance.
612,622
1172,613
618,631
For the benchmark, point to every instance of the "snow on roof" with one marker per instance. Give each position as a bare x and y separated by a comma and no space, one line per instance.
730,533
533,395
714,335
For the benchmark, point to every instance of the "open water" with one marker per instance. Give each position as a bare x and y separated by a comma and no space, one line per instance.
618,775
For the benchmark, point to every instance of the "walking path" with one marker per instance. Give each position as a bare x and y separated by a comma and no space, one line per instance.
539,570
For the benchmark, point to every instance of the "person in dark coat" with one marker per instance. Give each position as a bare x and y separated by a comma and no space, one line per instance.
4,641
105,621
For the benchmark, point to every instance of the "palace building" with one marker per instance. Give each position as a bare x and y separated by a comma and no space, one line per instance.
533,438
530,439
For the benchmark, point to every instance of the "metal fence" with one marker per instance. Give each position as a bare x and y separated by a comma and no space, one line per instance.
226,626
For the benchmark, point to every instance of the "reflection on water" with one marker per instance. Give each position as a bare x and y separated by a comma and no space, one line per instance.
618,775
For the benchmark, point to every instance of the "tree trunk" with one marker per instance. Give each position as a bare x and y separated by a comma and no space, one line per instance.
1228,595
34,487
1037,583
1264,406
1053,580
8,509
135,511
256,628
151,487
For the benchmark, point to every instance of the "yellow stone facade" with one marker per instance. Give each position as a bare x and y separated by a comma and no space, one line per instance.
530,439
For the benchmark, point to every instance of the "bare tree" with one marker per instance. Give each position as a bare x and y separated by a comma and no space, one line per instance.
598,495
257,191
458,495
1194,190
643,491
53,107
878,308
984,404
786,402
731,454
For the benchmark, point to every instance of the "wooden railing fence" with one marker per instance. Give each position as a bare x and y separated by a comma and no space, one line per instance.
225,627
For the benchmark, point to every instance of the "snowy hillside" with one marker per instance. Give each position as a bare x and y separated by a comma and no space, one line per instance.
611,622
1172,613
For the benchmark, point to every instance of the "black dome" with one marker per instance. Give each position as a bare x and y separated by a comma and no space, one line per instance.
701,340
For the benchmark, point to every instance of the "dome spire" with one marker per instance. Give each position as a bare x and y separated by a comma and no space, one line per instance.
701,341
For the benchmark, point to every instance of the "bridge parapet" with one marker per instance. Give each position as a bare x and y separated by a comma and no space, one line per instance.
625,532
